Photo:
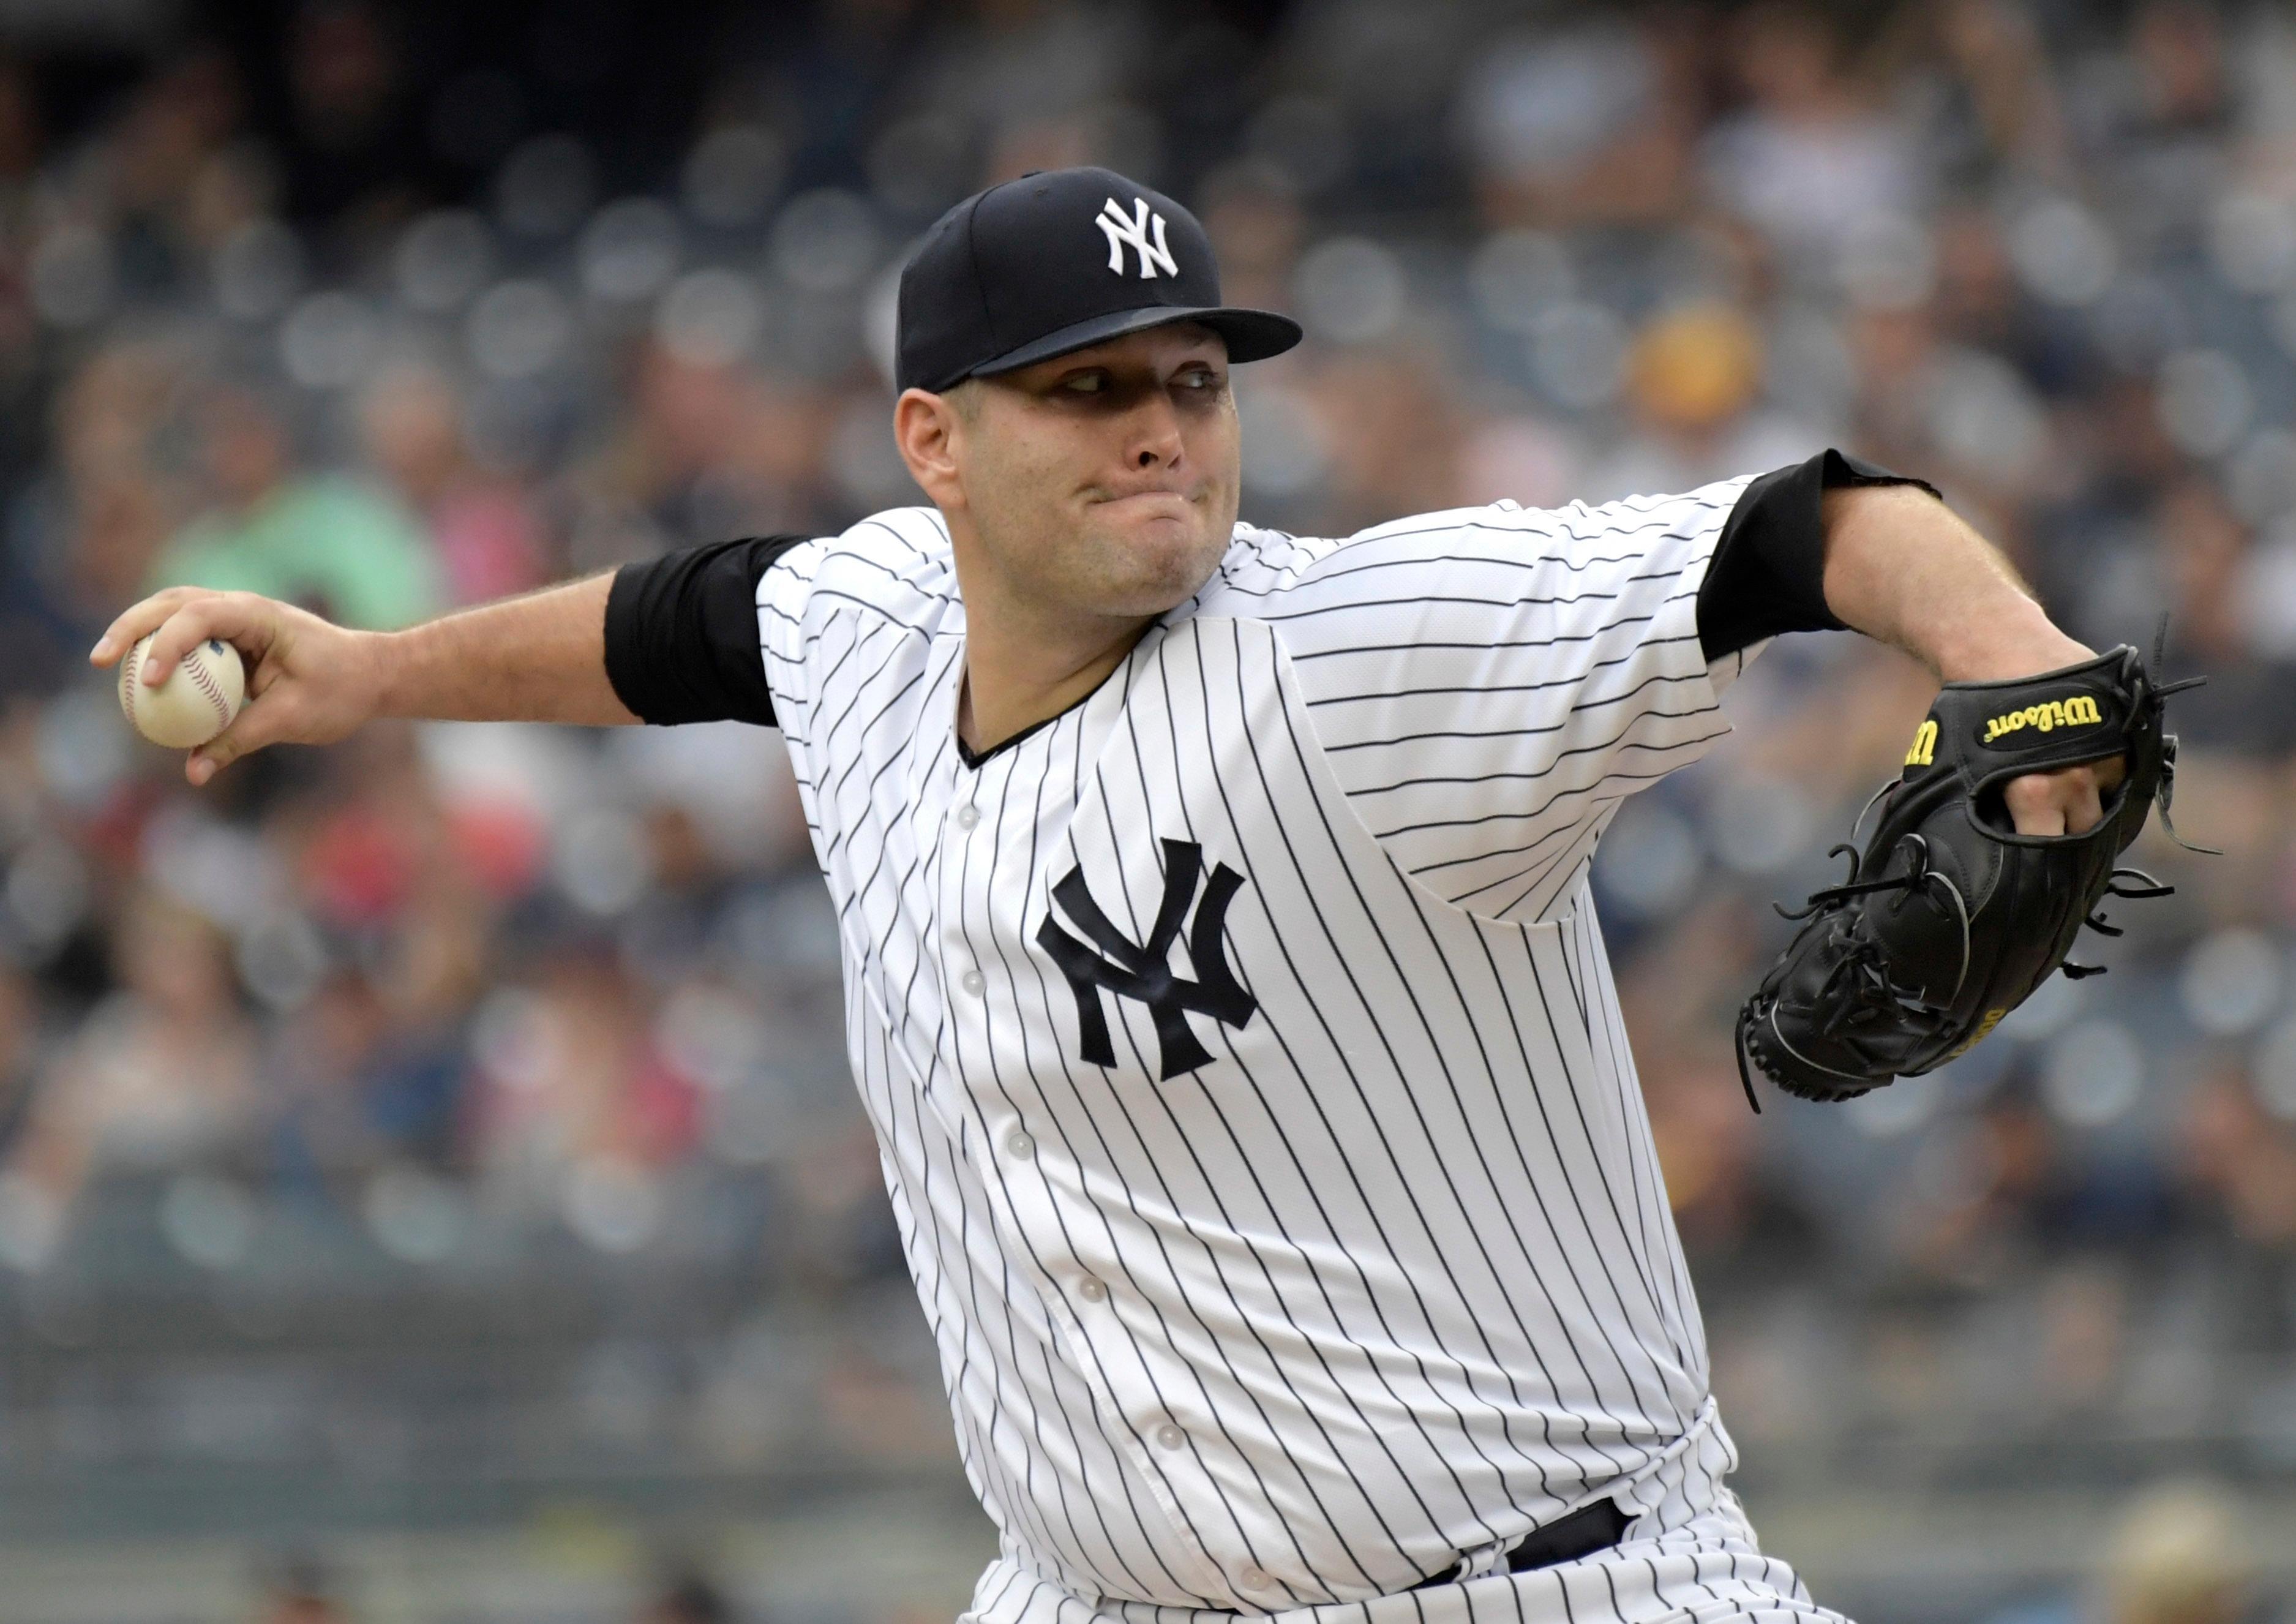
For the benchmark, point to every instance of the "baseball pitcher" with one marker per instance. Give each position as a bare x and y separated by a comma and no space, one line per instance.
1221,975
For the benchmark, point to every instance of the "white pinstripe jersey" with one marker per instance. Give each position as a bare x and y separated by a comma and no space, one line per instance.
1249,1080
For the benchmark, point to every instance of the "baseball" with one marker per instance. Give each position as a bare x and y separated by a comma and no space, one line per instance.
198,701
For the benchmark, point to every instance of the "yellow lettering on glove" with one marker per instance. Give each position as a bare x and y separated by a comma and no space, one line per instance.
2077,711
1992,1019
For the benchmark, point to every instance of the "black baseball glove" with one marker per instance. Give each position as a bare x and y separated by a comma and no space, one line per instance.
1950,918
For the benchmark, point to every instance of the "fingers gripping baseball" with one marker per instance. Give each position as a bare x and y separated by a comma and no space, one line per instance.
181,618
308,682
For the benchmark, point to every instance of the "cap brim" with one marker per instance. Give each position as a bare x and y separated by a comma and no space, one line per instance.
1251,336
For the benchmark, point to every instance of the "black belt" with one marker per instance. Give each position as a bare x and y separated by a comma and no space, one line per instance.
1585,1531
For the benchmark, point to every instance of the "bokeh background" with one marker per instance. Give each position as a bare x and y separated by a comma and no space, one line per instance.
430,1186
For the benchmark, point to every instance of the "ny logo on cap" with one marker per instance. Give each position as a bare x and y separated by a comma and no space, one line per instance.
1120,231
1143,971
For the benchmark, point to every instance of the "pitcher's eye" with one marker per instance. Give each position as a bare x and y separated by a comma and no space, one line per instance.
1085,383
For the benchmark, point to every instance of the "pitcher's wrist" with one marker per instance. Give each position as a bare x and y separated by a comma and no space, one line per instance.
2015,638
380,666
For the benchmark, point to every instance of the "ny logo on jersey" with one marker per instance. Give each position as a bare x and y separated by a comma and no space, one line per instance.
1121,231
1144,970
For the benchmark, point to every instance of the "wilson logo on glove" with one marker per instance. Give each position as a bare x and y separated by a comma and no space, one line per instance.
1948,918
2079,711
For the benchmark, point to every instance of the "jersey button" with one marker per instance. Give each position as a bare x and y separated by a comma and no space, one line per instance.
1092,1290
1253,1578
1170,1437
967,816
973,983
1022,1146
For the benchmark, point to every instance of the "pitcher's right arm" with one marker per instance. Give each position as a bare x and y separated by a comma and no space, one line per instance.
672,640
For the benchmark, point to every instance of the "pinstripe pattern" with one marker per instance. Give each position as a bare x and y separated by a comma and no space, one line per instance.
1391,1278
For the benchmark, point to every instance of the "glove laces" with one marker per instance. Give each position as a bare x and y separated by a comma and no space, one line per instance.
1857,987
1863,951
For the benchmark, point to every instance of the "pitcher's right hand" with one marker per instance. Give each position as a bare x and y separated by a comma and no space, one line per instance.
308,682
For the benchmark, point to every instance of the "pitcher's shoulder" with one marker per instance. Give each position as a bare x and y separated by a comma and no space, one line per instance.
894,564
1259,565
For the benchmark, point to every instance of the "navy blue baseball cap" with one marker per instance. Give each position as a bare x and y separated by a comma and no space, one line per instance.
1054,261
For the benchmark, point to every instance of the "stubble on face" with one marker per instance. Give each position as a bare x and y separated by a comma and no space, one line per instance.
1103,484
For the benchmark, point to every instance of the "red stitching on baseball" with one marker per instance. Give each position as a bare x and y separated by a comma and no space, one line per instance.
131,682
204,680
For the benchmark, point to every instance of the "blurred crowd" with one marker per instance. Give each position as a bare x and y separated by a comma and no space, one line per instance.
321,316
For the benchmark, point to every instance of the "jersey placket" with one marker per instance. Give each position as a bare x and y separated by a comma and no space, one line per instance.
986,895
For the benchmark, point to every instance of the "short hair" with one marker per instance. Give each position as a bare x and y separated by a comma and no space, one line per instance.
965,395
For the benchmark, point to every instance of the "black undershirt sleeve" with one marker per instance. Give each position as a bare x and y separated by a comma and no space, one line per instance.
1768,572
682,633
